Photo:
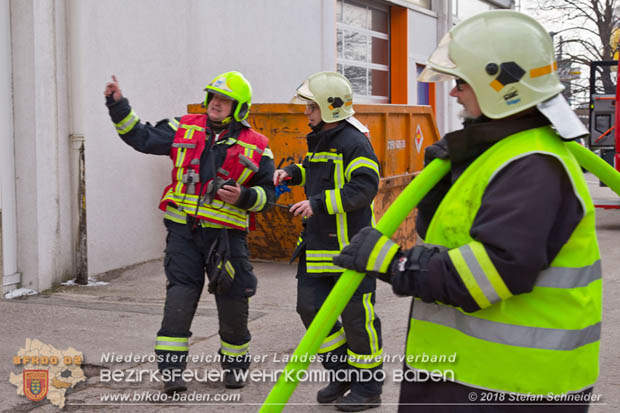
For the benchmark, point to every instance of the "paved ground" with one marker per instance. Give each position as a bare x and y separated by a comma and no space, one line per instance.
122,317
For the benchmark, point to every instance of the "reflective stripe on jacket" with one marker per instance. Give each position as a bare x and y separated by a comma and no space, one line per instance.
185,195
340,175
544,341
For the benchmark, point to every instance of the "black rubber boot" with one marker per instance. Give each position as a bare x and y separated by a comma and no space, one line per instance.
332,391
354,402
234,379
175,385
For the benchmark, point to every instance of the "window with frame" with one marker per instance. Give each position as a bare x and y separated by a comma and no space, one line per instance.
463,9
363,49
423,88
427,4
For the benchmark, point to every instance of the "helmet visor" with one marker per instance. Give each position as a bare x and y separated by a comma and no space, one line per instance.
439,60
304,91
300,100
220,93
304,96
430,75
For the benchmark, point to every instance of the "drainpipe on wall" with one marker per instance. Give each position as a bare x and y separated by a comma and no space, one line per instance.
78,48
81,251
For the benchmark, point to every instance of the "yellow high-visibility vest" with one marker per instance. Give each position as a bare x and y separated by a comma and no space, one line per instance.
541,342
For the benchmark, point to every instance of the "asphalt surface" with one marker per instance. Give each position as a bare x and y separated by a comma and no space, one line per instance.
120,319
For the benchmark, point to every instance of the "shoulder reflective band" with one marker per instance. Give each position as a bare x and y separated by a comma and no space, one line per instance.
360,162
174,124
193,127
268,153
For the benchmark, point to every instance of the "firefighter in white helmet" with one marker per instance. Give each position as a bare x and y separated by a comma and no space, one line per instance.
508,282
340,175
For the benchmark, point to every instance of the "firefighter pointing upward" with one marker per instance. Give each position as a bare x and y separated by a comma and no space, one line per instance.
509,281
222,172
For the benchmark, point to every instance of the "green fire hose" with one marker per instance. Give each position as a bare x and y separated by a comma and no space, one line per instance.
342,292
349,281
605,172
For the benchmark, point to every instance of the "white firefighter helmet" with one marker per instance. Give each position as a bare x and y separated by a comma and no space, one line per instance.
332,92
508,59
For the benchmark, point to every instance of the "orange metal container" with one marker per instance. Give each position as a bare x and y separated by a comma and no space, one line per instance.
398,133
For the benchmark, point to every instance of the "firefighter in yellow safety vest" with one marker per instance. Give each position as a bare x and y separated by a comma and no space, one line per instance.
507,286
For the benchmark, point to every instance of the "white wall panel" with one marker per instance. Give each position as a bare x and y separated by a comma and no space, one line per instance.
41,122
164,53
7,149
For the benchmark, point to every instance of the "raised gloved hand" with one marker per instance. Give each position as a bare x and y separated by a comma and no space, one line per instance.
112,92
437,150
369,252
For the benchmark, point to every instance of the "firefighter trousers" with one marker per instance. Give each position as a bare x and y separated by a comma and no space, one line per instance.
187,246
354,344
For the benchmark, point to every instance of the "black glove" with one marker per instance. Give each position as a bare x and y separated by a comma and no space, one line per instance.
410,269
109,100
437,150
223,278
219,268
369,252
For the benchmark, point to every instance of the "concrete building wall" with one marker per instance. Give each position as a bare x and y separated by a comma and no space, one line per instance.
41,129
447,108
164,53
422,41
8,224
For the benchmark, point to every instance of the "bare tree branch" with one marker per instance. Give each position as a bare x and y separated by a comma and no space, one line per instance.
584,37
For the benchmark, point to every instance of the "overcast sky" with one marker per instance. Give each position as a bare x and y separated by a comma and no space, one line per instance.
530,7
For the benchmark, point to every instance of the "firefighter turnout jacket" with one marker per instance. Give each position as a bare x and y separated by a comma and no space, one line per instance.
200,158
344,180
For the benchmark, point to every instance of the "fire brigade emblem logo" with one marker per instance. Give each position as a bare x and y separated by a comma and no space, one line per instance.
46,372
509,72
35,384
335,103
